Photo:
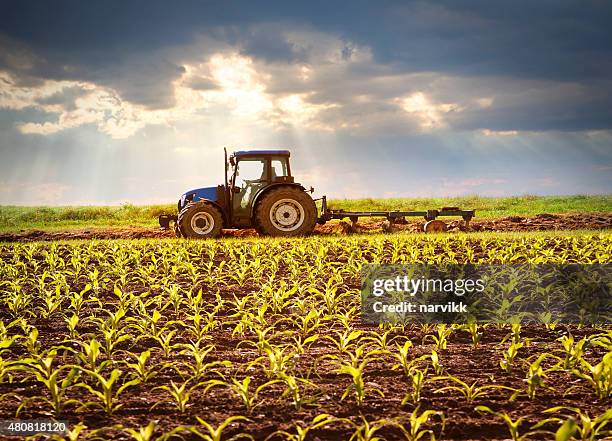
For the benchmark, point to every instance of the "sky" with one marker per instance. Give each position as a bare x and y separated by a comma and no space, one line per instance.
111,102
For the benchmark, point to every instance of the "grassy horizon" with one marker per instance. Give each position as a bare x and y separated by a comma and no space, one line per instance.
15,218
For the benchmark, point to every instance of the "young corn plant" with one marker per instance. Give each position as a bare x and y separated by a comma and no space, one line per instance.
147,433
89,355
216,433
515,334
278,363
440,339
469,391
475,335
585,427
535,376
164,339
382,341
310,322
417,380
181,394
435,363
507,362
572,351
197,366
53,380
301,432
413,429
108,392
301,345
72,323
6,367
599,376
366,431
512,425
345,341
140,369
292,389
402,355
31,342
243,389
358,386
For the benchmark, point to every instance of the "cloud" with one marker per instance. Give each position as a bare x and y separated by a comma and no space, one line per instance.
430,115
487,132
305,76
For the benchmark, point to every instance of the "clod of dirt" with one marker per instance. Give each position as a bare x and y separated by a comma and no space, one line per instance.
514,218
388,227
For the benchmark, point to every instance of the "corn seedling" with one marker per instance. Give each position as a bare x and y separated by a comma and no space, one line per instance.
440,338
413,430
180,394
599,376
109,392
512,425
470,391
366,431
140,369
301,431
243,389
585,428
216,433
417,379
358,385
509,355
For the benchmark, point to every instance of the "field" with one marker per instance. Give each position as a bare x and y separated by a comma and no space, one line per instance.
15,218
260,337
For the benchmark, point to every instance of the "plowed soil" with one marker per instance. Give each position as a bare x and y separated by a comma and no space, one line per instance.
540,222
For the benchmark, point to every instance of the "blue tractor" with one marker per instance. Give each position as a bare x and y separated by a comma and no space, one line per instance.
262,194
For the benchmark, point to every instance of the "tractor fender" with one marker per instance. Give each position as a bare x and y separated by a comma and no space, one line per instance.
263,191
216,204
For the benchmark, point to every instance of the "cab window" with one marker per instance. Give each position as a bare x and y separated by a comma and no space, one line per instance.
249,171
279,168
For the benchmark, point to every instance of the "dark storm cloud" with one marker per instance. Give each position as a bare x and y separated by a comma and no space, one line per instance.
135,48
544,38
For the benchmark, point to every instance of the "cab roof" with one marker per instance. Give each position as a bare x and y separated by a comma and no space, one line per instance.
243,153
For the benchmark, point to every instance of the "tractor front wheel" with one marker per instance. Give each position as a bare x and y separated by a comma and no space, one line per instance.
200,220
286,211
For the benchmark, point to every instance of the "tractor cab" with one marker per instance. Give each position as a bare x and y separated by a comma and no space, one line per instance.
252,172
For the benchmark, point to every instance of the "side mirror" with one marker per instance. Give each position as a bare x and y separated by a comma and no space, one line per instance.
232,161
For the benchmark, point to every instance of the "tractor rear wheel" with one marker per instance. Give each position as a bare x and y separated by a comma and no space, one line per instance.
200,220
286,211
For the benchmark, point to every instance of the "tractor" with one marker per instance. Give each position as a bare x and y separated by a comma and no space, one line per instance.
262,194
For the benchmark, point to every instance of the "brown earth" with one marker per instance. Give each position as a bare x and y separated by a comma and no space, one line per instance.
540,222
461,359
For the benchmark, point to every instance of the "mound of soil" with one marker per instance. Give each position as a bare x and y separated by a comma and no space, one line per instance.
540,222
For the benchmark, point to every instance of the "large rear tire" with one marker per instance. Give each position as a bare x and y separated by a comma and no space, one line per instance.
200,220
286,211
